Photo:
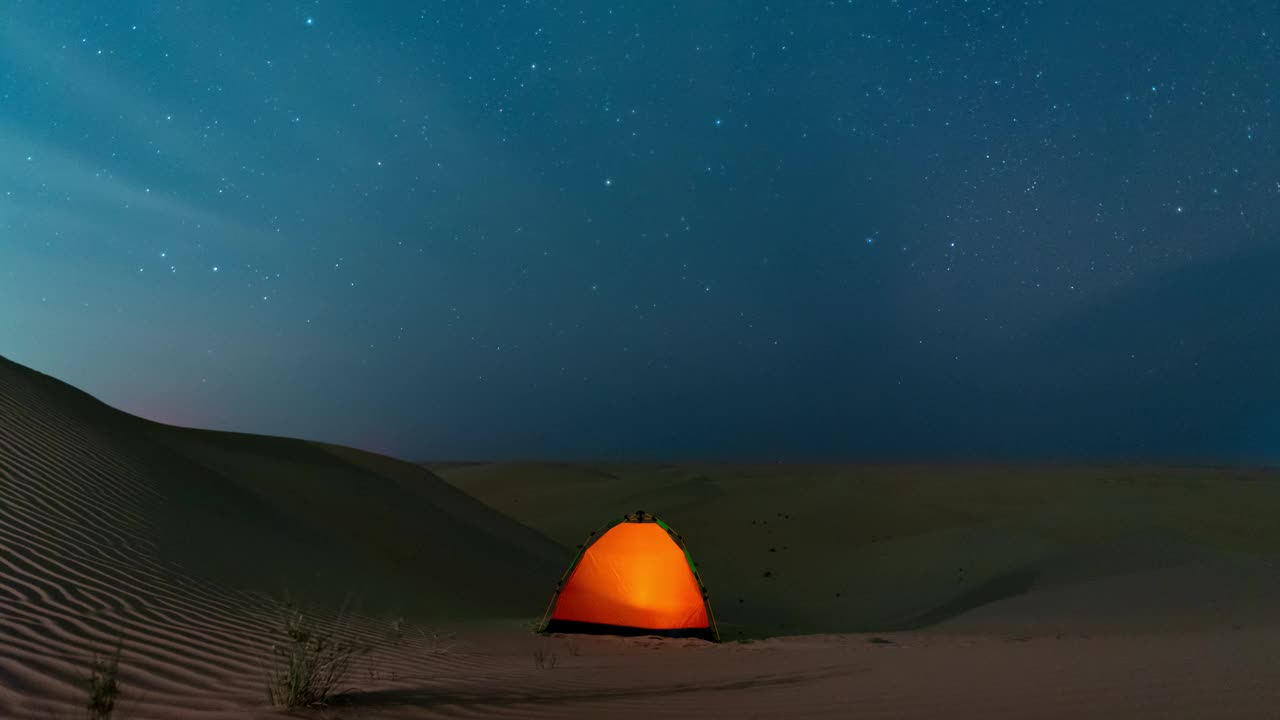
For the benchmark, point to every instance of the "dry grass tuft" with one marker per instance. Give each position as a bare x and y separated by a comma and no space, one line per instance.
104,685
543,661
310,666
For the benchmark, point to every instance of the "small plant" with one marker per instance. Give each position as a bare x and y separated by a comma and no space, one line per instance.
397,631
310,665
543,661
104,685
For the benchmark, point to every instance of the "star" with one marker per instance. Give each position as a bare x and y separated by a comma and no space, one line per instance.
310,21
608,182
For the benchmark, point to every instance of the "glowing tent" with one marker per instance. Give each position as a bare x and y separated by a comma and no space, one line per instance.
632,577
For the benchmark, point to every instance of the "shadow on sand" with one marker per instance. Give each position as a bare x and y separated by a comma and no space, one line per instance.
997,588
496,696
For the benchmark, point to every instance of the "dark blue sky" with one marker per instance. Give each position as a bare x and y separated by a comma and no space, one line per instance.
793,230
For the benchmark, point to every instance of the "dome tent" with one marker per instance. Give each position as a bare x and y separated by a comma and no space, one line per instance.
632,577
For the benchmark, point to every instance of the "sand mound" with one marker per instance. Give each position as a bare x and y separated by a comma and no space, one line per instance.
1137,583
112,527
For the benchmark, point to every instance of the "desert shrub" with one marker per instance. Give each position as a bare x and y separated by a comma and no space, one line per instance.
104,685
309,665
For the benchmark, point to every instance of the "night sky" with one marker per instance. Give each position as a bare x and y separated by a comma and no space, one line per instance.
872,230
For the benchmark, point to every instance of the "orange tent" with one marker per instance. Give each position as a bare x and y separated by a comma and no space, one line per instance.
632,577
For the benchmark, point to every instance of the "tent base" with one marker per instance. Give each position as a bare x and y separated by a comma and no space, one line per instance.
590,628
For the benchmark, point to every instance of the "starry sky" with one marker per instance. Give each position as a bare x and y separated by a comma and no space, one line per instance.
866,230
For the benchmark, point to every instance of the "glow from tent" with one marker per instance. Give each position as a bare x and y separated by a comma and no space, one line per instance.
634,576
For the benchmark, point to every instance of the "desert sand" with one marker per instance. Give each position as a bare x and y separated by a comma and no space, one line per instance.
870,592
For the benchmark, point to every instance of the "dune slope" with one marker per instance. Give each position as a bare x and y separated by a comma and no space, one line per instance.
115,528
791,549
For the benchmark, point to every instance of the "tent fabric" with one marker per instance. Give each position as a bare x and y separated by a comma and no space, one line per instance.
635,577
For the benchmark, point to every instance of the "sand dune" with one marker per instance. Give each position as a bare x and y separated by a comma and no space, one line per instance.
874,549
969,593
113,527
